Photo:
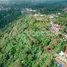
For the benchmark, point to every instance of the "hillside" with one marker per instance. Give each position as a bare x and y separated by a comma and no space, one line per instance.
27,42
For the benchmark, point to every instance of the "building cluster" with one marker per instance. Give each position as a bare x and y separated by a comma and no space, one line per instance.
27,10
63,54
55,28
4,9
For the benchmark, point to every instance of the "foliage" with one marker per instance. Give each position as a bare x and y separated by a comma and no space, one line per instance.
16,46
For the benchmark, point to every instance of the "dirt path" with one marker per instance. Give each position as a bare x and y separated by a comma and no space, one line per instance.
47,49
56,56
39,59
57,59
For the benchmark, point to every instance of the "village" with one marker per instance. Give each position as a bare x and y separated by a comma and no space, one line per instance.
61,58
33,33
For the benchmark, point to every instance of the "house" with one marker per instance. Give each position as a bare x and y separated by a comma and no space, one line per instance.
64,52
52,16
61,53
36,14
59,13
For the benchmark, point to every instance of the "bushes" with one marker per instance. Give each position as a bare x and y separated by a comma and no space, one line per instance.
53,63
29,56
21,47
59,47
44,39
46,61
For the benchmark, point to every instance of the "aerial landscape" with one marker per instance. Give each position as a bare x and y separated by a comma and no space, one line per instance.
33,33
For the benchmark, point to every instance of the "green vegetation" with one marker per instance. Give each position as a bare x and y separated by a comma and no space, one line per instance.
62,20
22,43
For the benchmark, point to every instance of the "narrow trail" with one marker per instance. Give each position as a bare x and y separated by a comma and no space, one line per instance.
57,58
39,59
55,30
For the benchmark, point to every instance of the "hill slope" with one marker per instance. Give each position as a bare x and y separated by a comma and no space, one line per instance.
22,43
